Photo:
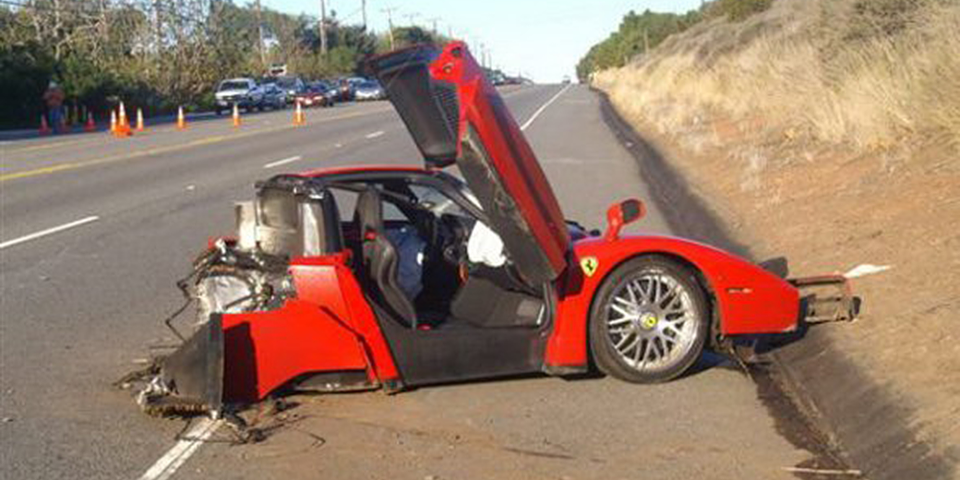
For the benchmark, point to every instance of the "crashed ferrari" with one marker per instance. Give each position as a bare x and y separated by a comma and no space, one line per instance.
395,277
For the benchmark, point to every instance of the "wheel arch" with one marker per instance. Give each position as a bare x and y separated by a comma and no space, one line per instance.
742,297
702,281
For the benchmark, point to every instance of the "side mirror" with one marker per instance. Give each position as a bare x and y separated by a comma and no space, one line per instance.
620,214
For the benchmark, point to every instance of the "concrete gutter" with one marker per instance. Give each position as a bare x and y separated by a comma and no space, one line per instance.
851,419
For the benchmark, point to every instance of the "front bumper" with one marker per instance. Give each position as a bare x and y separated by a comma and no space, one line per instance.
240,102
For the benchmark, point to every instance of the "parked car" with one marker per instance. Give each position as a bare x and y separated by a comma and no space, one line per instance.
300,298
273,97
344,89
370,90
242,92
317,94
293,86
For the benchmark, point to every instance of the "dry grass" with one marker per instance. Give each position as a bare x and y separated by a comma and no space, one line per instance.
819,137
793,67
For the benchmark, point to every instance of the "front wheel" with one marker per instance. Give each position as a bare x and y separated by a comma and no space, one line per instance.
649,321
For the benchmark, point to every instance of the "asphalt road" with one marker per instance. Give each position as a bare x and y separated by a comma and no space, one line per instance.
80,304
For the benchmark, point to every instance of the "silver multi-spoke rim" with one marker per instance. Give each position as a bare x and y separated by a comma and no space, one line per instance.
651,321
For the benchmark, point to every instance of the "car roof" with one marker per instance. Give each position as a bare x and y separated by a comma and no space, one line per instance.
328,171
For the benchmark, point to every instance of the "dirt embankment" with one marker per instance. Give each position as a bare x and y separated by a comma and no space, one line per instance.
828,133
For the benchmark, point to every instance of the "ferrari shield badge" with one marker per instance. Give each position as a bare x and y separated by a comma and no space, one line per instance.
589,265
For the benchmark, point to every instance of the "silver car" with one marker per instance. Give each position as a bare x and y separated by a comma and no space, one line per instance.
242,92
370,90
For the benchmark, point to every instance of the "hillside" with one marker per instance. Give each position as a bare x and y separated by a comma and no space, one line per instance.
828,132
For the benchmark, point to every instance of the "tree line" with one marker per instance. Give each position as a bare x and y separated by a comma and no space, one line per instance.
160,54
639,33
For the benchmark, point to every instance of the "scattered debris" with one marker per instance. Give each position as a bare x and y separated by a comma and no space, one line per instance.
866,269
823,471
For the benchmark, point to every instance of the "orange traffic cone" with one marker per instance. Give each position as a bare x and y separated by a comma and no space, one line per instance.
139,119
123,126
44,128
113,121
90,126
299,118
181,120
236,116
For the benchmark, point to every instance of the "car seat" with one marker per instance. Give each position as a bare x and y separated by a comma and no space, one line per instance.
381,260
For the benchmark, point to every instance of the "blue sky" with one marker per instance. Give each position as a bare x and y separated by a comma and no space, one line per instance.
542,39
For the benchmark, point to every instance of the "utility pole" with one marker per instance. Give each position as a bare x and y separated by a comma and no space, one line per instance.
263,54
323,27
157,27
450,32
646,41
389,11
410,17
363,9
434,22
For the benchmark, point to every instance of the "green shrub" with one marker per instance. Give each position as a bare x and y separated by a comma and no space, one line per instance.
876,18
737,10
24,73
635,34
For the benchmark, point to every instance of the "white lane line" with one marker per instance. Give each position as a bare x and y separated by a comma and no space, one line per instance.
282,162
49,231
168,464
374,134
543,107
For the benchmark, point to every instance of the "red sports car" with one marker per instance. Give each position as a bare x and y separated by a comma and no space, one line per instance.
392,277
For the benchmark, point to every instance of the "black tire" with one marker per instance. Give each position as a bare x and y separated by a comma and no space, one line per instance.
649,323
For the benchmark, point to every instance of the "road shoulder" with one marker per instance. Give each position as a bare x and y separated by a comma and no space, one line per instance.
829,392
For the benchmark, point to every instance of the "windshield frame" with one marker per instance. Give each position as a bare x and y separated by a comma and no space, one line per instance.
234,85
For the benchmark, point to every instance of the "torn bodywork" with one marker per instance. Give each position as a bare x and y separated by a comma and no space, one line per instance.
244,293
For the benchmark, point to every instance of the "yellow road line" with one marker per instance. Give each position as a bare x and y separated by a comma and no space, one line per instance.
64,143
164,127
159,150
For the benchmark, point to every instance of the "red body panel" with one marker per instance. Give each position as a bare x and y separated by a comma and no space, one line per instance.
320,172
482,108
328,327
748,298
264,350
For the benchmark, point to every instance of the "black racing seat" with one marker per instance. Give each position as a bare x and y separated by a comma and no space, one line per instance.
381,259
